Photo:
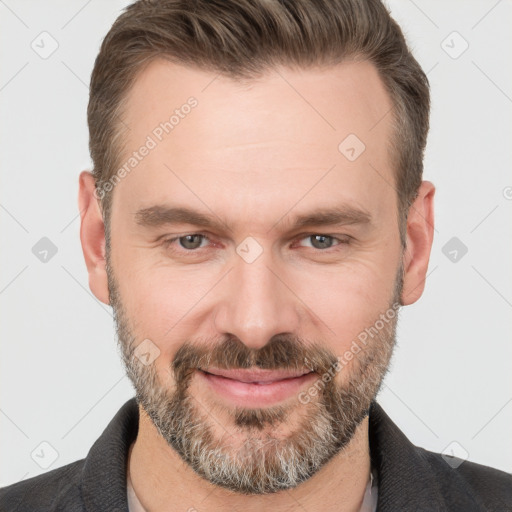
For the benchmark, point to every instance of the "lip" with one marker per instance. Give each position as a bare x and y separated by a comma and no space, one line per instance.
257,375
255,387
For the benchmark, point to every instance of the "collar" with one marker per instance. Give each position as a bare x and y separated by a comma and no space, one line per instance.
406,481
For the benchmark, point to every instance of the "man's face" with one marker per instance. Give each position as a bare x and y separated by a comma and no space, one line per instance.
253,289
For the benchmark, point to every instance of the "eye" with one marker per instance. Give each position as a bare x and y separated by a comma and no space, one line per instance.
323,242
188,242
192,242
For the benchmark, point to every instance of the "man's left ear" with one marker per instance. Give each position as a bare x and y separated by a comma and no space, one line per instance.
420,234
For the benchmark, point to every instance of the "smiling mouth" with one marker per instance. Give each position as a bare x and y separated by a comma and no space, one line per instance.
255,387
256,376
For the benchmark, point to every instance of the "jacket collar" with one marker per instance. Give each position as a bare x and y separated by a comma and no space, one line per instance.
106,463
405,480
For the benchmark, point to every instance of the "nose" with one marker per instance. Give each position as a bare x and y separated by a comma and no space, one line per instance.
256,303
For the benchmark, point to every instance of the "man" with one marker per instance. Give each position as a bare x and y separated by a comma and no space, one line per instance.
256,217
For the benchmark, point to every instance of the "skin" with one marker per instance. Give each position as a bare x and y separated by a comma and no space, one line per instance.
254,154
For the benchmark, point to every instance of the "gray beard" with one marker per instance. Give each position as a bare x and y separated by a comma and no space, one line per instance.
260,462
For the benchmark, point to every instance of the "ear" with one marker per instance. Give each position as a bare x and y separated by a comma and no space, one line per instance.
92,236
420,234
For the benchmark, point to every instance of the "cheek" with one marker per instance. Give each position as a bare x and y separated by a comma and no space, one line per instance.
156,306
345,301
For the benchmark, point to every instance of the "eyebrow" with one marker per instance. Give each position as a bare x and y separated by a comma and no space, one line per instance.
161,215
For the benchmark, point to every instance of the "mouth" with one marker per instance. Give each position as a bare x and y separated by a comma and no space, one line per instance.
256,387
257,376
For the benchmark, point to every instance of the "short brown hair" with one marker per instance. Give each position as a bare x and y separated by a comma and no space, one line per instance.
243,38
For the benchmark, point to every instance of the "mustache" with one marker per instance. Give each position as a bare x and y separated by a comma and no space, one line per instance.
283,352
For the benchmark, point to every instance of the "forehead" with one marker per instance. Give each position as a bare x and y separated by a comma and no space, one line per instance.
257,140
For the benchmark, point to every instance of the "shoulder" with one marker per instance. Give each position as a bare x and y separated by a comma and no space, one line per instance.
411,477
491,486
56,490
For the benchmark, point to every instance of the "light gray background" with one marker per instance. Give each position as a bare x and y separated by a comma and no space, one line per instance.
61,377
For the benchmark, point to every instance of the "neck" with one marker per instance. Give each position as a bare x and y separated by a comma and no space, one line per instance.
163,482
